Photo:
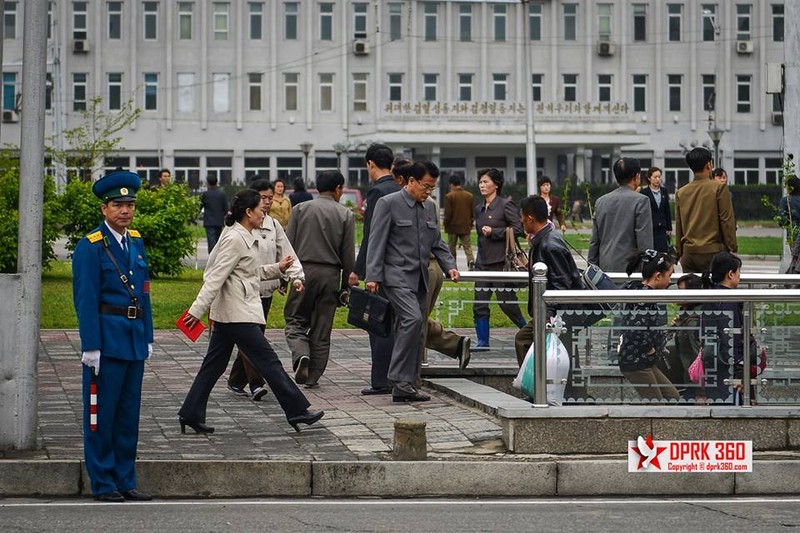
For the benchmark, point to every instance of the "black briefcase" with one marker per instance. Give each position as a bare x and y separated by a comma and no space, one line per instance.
370,312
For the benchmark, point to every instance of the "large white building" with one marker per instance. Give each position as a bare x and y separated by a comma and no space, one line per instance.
235,87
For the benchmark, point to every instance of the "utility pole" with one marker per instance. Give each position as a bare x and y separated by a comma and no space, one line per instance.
791,98
530,133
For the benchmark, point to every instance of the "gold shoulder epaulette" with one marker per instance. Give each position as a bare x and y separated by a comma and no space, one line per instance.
134,233
95,237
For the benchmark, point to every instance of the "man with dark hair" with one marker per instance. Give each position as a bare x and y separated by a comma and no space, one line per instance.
704,221
322,233
215,205
164,177
459,209
379,159
300,194
622,220
404,233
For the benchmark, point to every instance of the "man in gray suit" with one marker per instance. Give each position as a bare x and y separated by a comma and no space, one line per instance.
622,221
404,233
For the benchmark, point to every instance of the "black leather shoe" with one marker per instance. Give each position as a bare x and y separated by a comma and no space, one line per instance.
307,418
370,391
463,352
415,397
198,427
301,372
134,495
110,497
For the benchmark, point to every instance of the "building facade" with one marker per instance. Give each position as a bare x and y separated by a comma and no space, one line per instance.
283,88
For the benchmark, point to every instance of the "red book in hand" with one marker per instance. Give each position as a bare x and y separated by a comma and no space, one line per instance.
194,332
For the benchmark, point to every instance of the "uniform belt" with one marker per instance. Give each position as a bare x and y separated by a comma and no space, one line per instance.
130,311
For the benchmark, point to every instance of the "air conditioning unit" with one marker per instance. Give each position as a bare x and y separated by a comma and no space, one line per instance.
80,46
9,115
777,118
606,48
360,48
744,47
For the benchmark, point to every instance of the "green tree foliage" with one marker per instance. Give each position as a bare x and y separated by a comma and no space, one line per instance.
162,217
9,214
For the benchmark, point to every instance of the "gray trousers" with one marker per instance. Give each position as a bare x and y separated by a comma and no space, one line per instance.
410,319
309,317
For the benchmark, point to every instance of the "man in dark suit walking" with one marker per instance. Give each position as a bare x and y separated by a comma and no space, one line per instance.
459,208
404,233
659,208
379,160
215,205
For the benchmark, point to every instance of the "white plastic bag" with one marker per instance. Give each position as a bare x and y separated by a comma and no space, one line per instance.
557,371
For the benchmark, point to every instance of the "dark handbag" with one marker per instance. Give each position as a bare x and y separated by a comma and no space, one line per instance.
516,260
370,312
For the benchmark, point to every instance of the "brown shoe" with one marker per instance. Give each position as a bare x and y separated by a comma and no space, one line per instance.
301,372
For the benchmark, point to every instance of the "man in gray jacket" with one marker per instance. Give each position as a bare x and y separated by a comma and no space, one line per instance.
404,233
322,232
622,221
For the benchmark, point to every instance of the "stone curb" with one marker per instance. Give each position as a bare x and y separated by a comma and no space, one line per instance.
250,479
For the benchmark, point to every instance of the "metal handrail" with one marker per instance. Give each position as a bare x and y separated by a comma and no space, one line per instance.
672,296
617,277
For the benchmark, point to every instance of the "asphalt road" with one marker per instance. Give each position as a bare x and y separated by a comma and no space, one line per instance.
753,515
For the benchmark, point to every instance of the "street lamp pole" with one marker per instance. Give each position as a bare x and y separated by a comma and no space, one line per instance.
339,148
306,149
715,133
530,141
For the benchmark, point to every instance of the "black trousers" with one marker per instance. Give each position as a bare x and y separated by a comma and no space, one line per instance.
251,340
243,372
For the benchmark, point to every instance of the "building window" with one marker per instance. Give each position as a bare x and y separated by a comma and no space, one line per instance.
431,18
743,93
289,167
220,167
430,84
114,20
499,22
256,166
773,170
50,7
187,170
255,87
604,87
79,20
777,102
150,91
10,20
777,23
500,87
186,91
674,16
675,173
639,22
290,90
570,87
395,21
570,22
465,87
185,15
604,17
114,91
290,13
535,22
48,92
395,87
465,22
640,92
222,88
221,21
326,22
709,91
256,15
537,82
360,91
78,92
150,20
674,82
709,22
360,20
326,92
10,90
746,172
743,15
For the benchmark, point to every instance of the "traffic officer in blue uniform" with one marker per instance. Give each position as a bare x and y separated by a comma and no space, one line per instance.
111,286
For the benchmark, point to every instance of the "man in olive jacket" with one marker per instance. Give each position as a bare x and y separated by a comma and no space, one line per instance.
459,208
704,221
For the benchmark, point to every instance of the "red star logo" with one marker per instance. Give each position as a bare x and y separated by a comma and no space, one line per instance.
643,458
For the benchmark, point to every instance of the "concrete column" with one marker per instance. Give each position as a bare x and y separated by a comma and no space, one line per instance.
580,164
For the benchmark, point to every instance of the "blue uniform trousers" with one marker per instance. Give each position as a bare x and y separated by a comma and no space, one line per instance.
110,452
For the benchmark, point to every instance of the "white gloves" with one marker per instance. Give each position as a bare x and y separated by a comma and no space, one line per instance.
149,350
92,359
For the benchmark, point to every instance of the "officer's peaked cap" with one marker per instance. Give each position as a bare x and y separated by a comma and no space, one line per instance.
120,186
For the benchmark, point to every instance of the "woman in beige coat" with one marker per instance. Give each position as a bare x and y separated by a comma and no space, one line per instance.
231,282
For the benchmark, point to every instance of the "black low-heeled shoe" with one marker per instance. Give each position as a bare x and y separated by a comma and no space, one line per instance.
198,427
307,417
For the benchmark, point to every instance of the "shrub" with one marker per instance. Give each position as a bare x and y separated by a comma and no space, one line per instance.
162,217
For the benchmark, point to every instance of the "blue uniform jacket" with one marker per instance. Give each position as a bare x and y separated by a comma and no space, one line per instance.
95,281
